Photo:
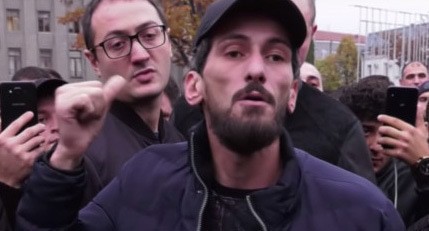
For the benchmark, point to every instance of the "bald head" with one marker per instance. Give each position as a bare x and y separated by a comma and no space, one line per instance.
414,74
308,10
311,76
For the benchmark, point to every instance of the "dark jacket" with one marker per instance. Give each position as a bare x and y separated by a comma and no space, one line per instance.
123,134
4,218
9,199
165,187
319,125
327,129
412,201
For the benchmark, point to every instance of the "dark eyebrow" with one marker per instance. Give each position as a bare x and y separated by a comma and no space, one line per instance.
274,40
279,40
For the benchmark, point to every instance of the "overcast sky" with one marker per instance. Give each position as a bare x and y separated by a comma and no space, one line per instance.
344,16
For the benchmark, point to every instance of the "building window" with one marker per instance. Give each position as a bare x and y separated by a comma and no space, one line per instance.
45,58
44,18
14,56
12,20
74,28
75,64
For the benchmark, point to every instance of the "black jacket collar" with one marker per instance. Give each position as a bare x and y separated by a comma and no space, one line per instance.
275,204
127,115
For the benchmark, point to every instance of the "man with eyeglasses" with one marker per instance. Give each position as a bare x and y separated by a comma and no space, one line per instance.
127,38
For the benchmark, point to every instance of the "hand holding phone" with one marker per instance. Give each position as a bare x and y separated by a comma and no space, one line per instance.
16,98
401,102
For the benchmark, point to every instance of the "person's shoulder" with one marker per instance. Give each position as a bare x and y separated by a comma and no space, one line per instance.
156,163
321,102
169,156
336,182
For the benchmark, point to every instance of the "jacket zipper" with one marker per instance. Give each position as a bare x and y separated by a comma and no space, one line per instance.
206,195
258,218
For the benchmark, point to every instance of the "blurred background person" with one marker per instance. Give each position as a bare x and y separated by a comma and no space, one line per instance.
310,75
18,151
413,74
394,176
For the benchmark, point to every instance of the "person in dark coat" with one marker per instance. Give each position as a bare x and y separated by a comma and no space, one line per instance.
239,171
134,120
316,123
19,148
395,177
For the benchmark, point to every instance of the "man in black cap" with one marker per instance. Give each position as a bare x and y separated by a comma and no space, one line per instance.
239,170
19,150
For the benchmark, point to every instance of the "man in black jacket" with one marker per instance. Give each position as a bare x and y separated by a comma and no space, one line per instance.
316,123
395,177
239,170
129,39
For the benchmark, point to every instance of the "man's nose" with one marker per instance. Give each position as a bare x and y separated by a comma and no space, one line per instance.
138,52
256,69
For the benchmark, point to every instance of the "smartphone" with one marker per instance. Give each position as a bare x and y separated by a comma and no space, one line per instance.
401,102
16,98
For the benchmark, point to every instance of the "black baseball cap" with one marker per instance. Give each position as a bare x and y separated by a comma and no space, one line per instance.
424,87
47,86
283,11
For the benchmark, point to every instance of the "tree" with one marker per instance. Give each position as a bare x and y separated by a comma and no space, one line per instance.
346,60
183,17
329,72
310,55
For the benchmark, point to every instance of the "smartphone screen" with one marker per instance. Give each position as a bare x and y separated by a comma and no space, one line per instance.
401,102
16,98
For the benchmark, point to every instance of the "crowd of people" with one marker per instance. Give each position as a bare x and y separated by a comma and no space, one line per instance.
252,142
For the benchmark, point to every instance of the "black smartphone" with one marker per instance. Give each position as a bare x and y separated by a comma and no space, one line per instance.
16,98
401,102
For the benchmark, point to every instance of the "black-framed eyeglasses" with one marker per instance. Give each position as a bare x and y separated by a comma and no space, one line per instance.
120,46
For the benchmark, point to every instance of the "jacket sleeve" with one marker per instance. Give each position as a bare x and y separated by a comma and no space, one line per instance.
355,155
391,218
51,198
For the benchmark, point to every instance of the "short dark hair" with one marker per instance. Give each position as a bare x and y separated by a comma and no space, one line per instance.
54,74
30,73
88,33
366,99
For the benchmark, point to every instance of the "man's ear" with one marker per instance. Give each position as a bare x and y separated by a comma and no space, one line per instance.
293,95
194,88
93,60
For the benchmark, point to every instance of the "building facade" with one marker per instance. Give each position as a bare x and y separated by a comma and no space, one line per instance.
30,35
387,51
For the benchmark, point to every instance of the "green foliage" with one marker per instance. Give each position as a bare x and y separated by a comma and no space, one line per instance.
339,69
328,69
310,55
346,60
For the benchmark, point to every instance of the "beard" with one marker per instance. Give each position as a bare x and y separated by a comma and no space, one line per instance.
247,133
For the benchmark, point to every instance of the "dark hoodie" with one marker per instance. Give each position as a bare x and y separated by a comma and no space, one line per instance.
412,201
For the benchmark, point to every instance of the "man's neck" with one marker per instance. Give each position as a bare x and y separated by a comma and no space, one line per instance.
260,169
149,112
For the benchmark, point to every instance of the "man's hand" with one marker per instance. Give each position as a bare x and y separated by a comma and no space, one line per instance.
80,109
19,151
409,143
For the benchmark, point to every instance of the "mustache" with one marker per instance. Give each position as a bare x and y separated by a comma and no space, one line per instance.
251,87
